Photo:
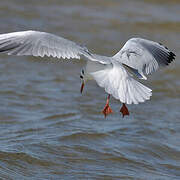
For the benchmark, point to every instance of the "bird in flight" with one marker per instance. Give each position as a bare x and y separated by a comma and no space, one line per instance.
138,57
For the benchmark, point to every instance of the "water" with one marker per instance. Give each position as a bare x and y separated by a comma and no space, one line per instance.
48,130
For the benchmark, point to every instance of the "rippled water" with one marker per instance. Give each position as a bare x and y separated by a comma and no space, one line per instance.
48,130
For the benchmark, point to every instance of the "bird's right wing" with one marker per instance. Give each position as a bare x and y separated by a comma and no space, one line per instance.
37,43
143,55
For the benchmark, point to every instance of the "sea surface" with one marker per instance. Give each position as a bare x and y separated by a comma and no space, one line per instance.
48,130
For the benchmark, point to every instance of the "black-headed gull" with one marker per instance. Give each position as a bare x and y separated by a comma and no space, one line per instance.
138,57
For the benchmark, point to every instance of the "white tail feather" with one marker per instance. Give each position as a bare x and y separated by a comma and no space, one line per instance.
121,85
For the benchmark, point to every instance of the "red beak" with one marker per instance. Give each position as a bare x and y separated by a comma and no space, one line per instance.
82,87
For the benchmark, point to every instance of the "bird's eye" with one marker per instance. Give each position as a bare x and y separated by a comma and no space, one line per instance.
81,76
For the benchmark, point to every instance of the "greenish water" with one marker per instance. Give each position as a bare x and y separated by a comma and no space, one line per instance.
48,130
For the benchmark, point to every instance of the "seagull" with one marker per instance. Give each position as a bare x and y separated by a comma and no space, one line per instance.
118,75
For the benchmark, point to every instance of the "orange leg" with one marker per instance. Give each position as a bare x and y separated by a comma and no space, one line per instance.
107,110
124,110
82,87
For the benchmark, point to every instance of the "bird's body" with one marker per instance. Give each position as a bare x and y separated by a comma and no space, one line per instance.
140,56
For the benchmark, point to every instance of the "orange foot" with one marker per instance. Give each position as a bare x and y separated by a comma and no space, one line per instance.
124,110
107,110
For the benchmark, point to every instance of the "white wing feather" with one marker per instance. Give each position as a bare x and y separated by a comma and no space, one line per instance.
144,55
41,43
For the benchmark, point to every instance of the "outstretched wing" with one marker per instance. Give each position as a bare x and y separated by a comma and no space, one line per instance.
145,56
41,43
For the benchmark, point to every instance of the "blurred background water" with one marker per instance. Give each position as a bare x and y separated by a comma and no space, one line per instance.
48,130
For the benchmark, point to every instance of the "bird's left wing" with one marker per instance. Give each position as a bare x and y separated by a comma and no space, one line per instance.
143,55
41,43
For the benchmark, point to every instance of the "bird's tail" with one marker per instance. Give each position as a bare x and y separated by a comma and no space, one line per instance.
118,82
134,91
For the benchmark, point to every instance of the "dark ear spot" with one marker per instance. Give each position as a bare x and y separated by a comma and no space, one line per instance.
82,71
81,76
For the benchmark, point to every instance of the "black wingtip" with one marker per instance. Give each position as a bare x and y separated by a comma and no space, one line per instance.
171,57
